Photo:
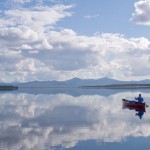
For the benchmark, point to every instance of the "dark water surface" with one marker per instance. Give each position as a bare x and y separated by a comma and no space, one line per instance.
45,121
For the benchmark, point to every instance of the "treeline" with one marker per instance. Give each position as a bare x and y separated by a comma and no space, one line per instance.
8,87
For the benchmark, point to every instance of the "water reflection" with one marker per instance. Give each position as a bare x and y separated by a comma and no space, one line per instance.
140,113
47,121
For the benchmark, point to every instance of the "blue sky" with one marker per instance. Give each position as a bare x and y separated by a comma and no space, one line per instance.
101,16
63,39
104,16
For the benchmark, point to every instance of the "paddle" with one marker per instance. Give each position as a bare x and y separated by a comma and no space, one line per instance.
146,105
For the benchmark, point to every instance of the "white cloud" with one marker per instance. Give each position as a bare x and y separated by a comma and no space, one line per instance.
26,65
25,46
38,17
19,33
22,1
142,11
91,16
16,3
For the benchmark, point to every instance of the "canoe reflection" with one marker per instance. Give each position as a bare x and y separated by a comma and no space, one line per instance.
140,108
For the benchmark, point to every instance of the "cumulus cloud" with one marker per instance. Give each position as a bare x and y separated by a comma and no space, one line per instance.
38,17
20,33
142,11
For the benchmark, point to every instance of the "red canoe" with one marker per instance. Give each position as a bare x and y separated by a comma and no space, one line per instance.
134,105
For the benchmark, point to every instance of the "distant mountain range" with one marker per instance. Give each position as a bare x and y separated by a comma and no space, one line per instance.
76,82
77,87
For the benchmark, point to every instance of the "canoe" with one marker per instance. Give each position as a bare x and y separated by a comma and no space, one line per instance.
134,105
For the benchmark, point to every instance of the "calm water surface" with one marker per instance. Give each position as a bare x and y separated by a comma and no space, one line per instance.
77,121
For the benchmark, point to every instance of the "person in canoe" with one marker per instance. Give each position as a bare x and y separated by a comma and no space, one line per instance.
139,99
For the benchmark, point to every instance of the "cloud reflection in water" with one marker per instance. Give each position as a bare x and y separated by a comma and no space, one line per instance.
33,121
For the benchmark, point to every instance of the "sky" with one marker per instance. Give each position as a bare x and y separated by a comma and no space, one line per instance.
62,39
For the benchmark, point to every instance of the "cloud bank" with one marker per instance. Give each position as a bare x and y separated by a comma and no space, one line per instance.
35,47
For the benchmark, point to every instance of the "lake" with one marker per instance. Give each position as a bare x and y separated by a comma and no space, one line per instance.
76,119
